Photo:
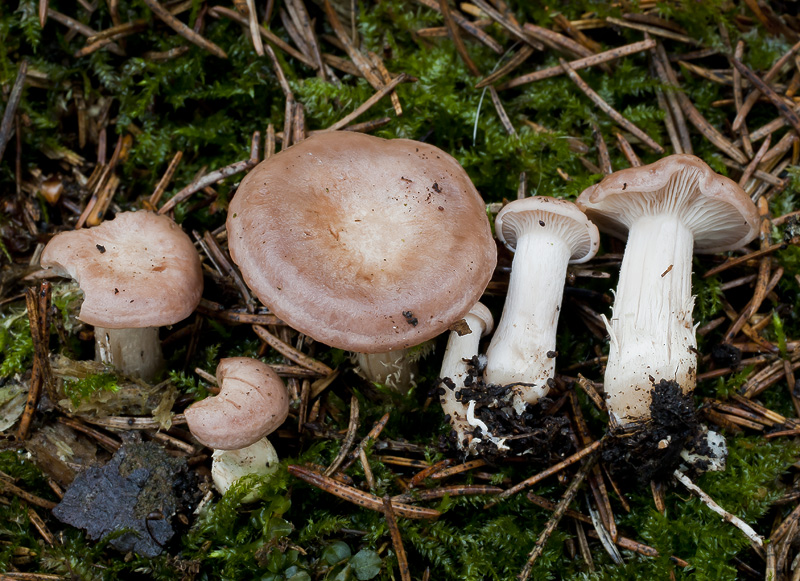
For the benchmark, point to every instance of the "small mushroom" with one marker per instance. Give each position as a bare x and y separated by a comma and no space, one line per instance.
461,348
365,244
545,235
667,209
251,404
138,272
228,466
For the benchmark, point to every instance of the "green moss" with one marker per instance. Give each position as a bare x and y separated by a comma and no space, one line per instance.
79,390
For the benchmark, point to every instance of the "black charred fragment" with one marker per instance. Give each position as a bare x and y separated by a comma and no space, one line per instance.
141,480
641,454
726,355
101,248
410,318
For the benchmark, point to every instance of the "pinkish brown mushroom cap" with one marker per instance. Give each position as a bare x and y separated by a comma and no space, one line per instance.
362,243
719,213
251,404
137,270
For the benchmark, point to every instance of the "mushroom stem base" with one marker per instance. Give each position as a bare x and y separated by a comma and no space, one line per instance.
396,369
134,352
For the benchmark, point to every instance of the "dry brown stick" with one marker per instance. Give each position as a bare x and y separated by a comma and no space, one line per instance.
555,469
603,156
452,29
628,151
291,353
109,443
552,523
694,116
667,77
217,11
669,122
362,62
519,57
221,258
40,526
731,262
608,110
476,32
186,32
386,77
254,27
752,98
501,112
753,165
458,469
14,97
207,180
420,476
561,21
155,197
106,37
366,105
509,24
298,9
770,93
219,312
737,100
556,40
655,30
358,497
131,422
6,486
764,286
397,540
349,438
589,389
784,144
37,303
80,28
582,63
451,491
371,436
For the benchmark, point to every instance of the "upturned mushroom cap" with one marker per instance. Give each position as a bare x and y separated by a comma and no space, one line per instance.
251,404
137,270
538,213
719,213
362,243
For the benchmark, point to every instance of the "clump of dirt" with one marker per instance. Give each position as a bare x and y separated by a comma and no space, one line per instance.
726,355
537,433
652,450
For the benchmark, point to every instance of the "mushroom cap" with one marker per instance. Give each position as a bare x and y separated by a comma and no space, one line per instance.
251,404
362,243
719,213
137,270
559,216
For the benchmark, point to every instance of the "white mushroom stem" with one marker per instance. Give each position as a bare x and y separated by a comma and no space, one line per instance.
652,337
518,353
459,351
394,369
134,352
230,465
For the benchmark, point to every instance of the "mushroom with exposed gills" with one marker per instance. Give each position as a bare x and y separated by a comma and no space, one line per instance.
461,348
252,403
365,244
667,209
138,272
545,234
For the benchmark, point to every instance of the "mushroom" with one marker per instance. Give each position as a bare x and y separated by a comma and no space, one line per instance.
137,272
252,403
362,243
228,466
668,209
545,235
462,347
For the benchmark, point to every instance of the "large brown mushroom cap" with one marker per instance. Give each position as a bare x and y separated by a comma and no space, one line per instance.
137,270
719,213
251,404
362,243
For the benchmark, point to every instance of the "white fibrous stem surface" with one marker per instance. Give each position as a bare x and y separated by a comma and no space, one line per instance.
652,336
394,369
527,329
134,352
459,351
230,465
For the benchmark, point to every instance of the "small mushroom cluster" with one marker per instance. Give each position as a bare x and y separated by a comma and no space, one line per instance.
378,246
